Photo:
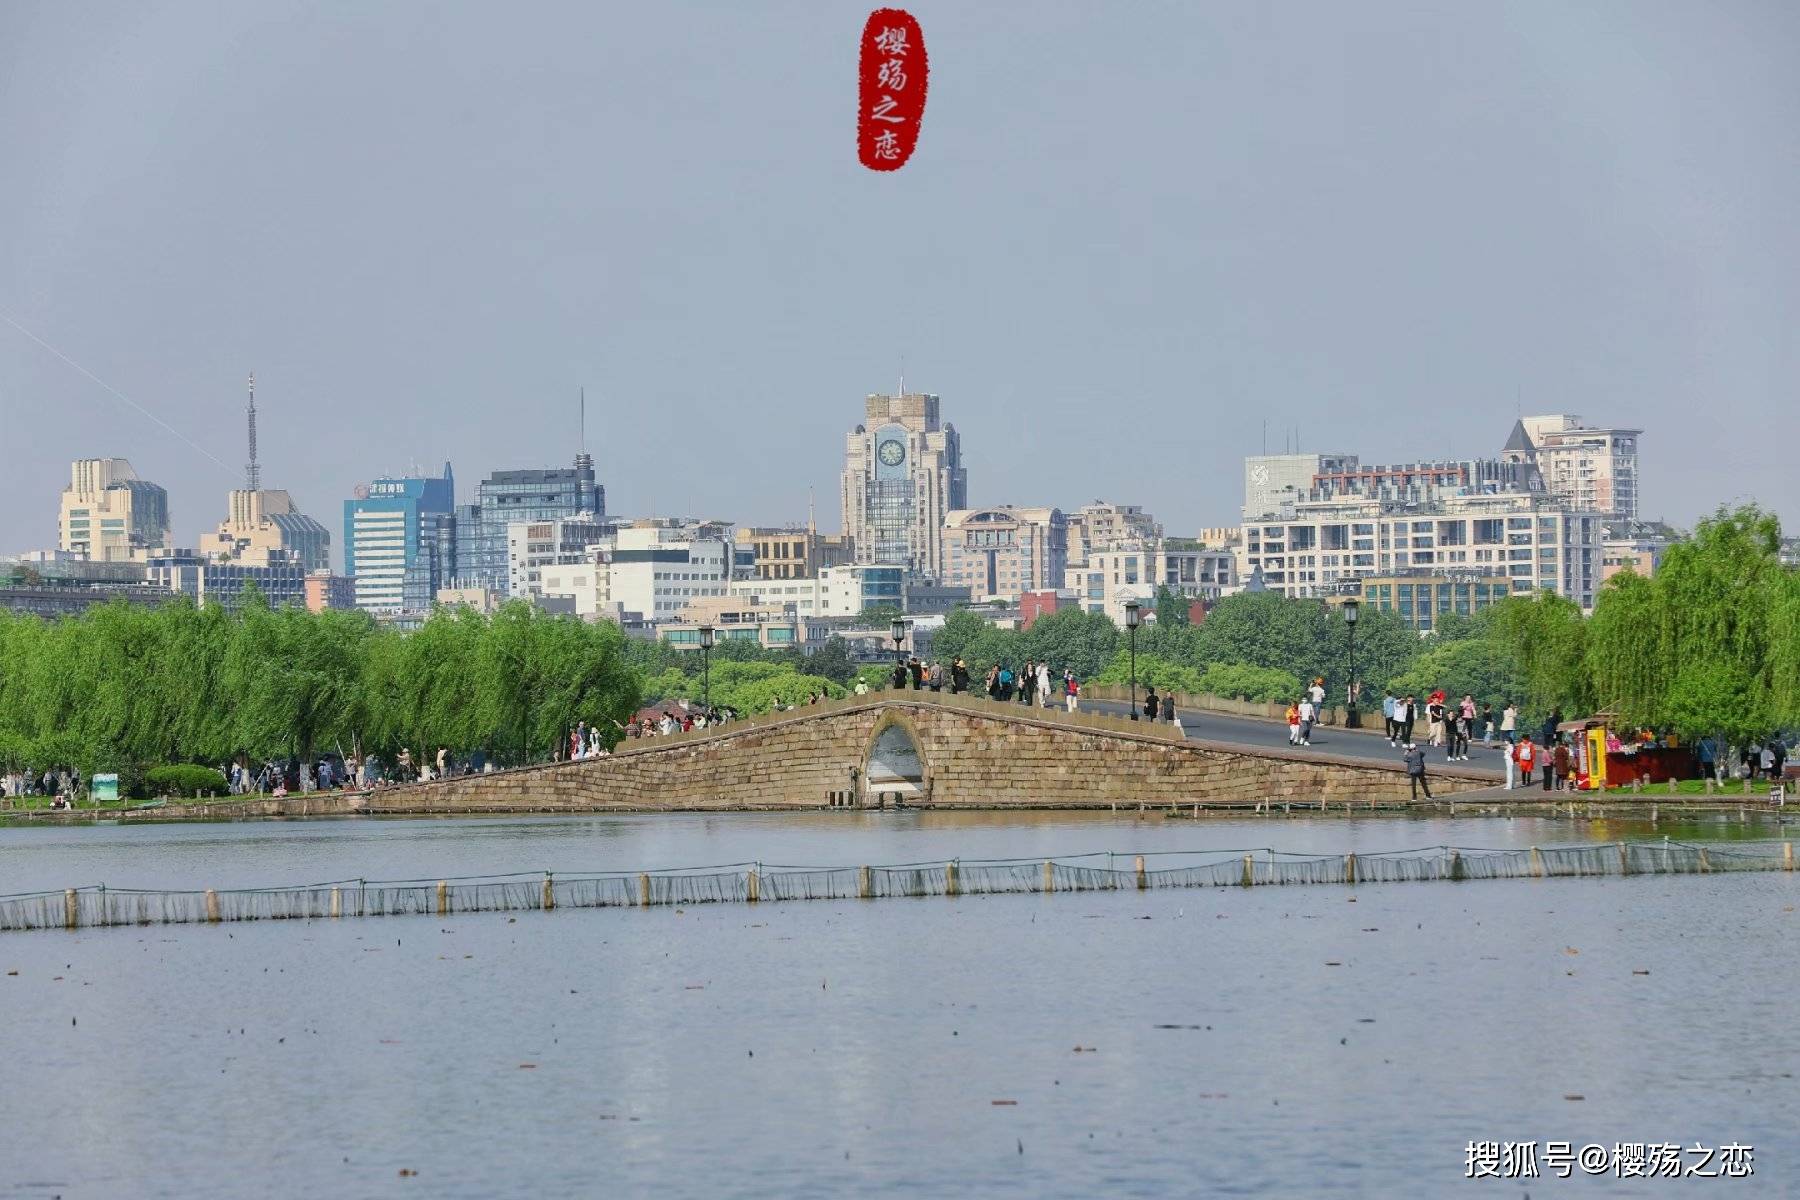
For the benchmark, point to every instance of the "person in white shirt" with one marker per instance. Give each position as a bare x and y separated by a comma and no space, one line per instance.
1307,713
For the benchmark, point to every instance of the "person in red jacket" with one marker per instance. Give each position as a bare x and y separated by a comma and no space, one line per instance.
1526,754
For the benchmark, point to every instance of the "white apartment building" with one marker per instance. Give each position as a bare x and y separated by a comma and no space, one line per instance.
1136,572
652,570
843,591
1312,548
656,571
533,545
587,583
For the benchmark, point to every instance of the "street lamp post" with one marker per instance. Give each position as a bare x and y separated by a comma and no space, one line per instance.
898,630
706,644
1131,626
1352,718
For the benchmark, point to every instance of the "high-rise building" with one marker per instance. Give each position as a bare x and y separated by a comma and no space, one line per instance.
108,512
508,496
903,475
1535,540
999,552
1595,470
400,542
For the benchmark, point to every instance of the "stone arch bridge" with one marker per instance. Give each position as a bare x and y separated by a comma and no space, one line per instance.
921,749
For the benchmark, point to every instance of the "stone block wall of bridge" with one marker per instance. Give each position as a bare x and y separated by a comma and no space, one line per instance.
974,754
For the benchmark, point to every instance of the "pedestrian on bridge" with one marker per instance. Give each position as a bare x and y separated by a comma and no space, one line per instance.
1150,702
1526,753
1415,771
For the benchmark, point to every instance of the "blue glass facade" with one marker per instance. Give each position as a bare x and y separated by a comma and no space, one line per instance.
506,496
399,542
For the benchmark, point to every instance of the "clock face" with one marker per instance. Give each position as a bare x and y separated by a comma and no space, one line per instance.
1259,474
891,452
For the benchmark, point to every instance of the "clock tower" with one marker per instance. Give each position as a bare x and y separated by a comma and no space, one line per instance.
902,473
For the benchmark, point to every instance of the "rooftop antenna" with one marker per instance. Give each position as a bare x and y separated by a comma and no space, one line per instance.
582,445
811,527
902,373
252,472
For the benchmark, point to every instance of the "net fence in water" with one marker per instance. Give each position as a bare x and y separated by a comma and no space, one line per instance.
98,905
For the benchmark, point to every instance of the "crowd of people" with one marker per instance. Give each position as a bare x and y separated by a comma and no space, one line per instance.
1033,685
61,784
675,718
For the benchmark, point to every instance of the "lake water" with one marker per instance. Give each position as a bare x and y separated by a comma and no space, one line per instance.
849,1048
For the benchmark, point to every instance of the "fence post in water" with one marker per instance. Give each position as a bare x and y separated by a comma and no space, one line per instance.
337,902
865,889
1350,869
643,890
549,892
1456,867
1787,856
1704,865
212,906
71,909
1249,871
950,878
1143,880
443,898
752,888
1537,864
1624,860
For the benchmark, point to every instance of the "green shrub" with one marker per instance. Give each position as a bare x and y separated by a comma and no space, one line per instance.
184,779
1241,682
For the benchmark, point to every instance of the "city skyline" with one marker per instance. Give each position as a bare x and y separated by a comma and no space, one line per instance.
1495,217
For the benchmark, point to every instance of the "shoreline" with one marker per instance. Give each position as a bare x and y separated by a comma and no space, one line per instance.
1487,802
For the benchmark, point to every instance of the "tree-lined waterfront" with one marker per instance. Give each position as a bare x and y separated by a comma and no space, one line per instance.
1709,645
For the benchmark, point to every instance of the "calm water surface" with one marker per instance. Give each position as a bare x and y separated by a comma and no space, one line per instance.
843,1048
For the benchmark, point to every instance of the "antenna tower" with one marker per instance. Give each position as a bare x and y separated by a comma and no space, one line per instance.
252,472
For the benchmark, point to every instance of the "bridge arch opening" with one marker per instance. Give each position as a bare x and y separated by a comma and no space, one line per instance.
895,770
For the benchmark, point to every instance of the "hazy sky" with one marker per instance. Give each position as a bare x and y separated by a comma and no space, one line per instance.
1131,235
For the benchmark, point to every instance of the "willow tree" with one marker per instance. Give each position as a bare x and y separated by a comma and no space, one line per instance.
1547,641
1722,606
1627,656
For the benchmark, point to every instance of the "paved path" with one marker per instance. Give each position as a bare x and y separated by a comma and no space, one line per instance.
1350,743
